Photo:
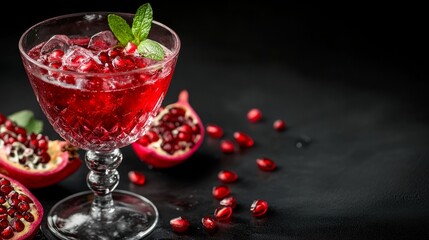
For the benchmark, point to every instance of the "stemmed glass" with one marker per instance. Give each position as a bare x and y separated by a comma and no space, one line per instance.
99,112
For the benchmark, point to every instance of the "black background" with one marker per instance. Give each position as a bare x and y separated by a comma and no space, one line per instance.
349,79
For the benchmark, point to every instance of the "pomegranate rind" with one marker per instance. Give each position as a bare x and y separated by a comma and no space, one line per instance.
61,165
154,156
30,229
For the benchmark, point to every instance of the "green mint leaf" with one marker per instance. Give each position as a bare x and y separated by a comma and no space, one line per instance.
142,22
151,49
35,126
120,28
25,119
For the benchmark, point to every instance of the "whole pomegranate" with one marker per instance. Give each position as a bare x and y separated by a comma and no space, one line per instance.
175,134
33,159
20,211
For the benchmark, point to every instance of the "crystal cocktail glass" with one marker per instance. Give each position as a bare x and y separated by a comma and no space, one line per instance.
100,113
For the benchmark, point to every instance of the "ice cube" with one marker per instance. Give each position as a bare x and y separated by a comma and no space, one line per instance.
76,56
102,41
61,42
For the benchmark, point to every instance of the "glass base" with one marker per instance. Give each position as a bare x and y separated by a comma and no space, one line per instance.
133,217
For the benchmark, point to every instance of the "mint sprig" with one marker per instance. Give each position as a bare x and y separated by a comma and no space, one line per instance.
26,119
138,32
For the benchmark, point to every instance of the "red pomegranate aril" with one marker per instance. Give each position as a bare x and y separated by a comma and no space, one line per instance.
259,208
2,199
279,125
243,139
4,181
266,164
17,225
227,176
214,130
227,146
23,206
24,198
220,192
4,223
179,224
229,202
28,217
6,189
209,224
130,48
7,233
3,216
136,177
254,115
3,209
223,213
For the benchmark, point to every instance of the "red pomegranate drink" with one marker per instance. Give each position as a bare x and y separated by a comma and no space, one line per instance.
97,95
99,78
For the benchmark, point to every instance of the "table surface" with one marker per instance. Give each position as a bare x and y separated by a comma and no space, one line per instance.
353,163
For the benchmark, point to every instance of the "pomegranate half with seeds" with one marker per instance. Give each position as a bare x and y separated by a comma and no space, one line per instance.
33,159
20,211
175,134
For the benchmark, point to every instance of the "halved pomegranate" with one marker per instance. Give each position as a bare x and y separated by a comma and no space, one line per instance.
175,134
20,211
33,159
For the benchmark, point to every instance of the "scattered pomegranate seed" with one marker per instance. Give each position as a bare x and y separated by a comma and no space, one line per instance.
279,125
214,130
220,192
227,176
7,232
229,202
227,146
266,164
254,115
223,213
136,177
209,223
259,208
243,139
179,224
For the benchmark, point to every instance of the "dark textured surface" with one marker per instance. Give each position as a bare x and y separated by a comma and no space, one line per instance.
350,82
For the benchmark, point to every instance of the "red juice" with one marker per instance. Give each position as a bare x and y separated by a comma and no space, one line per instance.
99,99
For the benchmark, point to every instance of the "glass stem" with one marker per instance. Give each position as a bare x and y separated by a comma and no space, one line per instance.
102,180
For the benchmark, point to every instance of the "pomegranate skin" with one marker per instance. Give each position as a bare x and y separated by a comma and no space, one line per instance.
30,230
157,158
62,166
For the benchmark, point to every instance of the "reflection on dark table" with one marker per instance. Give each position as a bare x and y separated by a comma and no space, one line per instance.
349,85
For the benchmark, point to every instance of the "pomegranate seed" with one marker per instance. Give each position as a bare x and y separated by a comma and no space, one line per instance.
3,216
279,125
23,206
11,211
2,118
254,115
4,181
153,136
7,232
229,202
28,217
144,140
223,213
3,209
259,208
266,164
24,198
130,48
6,189
9,125
17,225
227,176
214,131
2,199
227,146
243,139
136,177
209,224
220,192
179,224
4,223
